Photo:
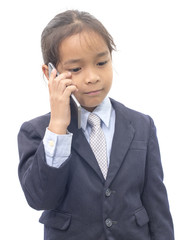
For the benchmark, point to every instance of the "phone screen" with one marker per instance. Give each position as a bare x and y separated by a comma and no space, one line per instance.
74,101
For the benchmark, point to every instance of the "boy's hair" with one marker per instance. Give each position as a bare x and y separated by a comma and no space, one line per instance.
65,25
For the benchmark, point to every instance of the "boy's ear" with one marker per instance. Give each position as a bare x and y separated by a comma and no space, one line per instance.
45,70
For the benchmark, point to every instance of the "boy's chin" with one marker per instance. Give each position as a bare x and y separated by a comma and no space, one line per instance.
90,108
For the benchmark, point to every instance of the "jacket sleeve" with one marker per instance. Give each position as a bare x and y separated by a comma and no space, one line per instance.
44,186
154,195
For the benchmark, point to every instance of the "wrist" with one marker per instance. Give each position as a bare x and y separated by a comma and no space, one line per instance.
57,128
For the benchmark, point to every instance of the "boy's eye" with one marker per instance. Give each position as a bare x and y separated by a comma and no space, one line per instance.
75,69
102,63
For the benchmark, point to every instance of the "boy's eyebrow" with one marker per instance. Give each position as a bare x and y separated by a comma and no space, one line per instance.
102,54
71,61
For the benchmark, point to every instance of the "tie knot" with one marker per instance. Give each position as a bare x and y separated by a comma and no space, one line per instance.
94,120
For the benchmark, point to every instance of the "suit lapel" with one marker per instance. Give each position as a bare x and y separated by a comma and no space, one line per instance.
123,136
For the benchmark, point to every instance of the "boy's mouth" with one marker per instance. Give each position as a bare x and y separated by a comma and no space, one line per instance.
95,92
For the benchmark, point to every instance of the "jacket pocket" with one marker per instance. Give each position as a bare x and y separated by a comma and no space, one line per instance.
141,217
55,219
138,145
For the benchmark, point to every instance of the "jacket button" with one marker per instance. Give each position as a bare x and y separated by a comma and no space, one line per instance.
108,222
108,192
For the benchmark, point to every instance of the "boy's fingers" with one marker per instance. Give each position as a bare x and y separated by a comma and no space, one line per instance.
53,74
58,82
63,84
56,79
69,90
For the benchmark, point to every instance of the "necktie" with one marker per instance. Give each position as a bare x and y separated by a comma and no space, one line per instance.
98,143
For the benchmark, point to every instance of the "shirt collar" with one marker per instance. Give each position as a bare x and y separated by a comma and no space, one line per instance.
103,111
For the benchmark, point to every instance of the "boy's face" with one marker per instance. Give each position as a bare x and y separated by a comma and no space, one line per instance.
87,57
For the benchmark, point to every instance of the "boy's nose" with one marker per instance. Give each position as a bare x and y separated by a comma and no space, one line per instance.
91,77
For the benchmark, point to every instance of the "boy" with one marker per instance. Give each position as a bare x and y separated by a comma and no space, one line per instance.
98,182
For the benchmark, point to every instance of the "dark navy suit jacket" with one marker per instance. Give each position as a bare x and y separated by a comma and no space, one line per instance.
79,204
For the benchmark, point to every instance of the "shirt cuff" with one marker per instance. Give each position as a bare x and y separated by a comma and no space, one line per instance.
57,147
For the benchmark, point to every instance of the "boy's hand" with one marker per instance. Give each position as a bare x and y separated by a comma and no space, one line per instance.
60,89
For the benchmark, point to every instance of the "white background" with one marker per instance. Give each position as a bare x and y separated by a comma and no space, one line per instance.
152,74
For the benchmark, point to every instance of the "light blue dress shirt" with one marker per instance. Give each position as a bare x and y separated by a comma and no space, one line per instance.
58,147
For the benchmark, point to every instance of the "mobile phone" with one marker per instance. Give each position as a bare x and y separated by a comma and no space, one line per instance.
73,99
